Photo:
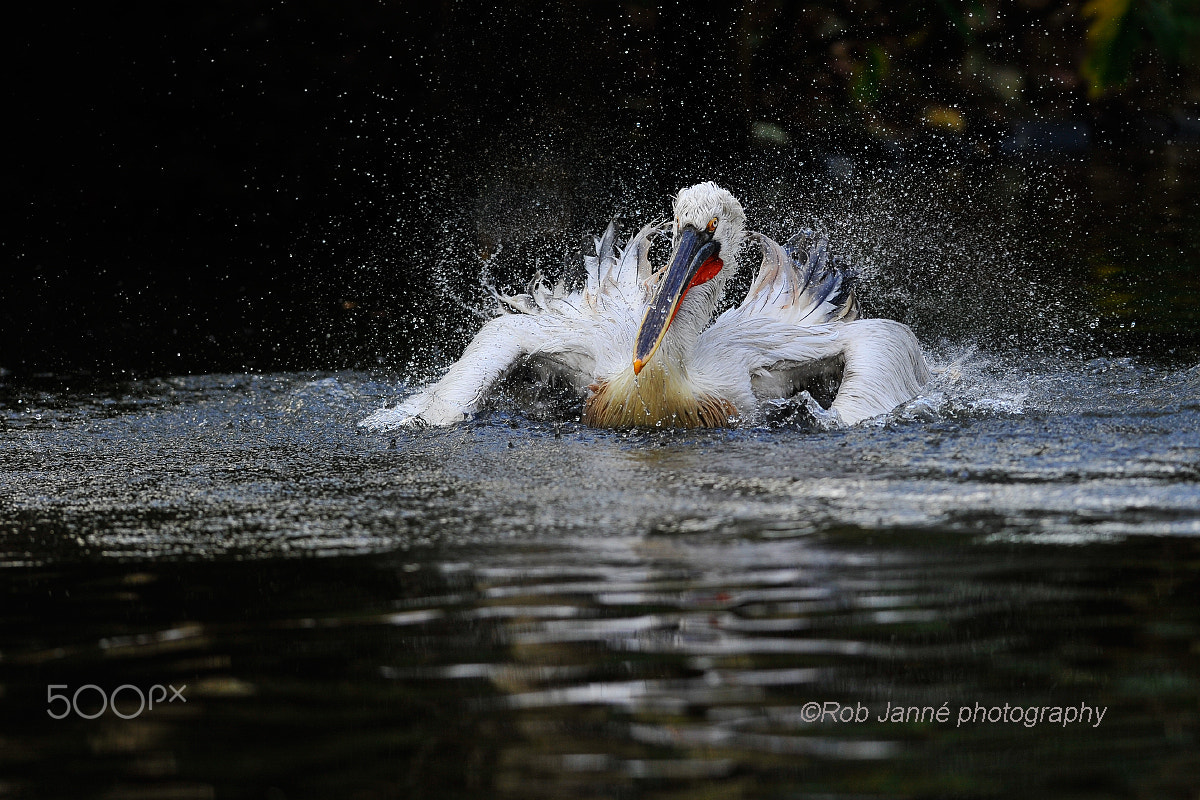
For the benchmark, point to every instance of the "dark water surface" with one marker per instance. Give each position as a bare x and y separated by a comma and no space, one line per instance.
525,608
520,607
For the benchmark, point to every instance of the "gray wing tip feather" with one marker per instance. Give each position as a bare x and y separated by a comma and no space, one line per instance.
828,282
803,281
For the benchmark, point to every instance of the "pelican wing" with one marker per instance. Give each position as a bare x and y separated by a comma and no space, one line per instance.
613,276
567,333
799,324
619,276
499,346
801,283
600,266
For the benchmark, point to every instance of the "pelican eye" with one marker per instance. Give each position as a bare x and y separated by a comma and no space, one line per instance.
712,224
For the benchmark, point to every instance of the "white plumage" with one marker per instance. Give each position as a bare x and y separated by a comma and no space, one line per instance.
643,347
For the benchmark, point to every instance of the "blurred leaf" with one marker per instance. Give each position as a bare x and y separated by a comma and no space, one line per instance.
1172,28
945,118
960,17
1106,17
1119,29
1109,54
868,76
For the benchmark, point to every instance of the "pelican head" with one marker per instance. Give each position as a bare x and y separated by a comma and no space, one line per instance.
709,228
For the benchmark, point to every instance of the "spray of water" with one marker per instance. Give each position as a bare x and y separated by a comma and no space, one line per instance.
981,261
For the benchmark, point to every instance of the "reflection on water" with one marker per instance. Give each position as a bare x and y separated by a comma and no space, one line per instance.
522,608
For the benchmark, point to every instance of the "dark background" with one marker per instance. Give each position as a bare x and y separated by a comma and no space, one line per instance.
232,185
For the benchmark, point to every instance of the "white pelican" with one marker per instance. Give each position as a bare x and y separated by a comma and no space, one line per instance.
643,348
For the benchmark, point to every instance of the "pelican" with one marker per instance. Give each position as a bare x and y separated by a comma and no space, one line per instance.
643,349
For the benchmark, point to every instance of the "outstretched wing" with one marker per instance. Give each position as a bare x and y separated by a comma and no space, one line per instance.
497,348
801,283
799,326
614,277
619,276
567,332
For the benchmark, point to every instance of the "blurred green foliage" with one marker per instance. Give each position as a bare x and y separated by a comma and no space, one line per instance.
970,66
1119,30
869,75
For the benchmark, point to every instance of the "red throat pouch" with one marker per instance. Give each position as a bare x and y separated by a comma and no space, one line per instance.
708,270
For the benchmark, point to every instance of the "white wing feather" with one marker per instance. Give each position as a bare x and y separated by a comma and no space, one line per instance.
461,390
800,284
572,334
799,317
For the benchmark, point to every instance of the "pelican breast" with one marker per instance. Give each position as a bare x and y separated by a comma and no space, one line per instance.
660,395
